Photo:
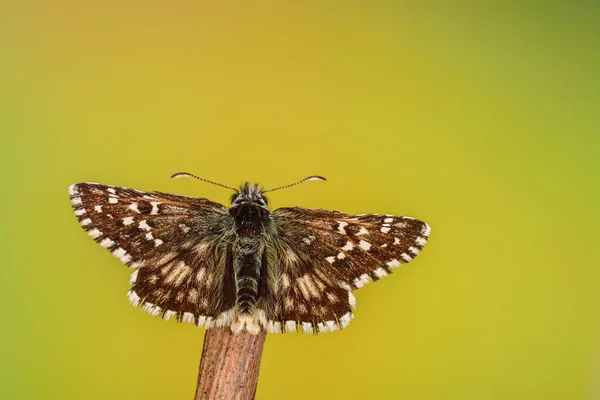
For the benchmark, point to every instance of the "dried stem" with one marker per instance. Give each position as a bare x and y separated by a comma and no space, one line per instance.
229,365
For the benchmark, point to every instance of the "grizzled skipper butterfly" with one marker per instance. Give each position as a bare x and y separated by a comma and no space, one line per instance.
293,269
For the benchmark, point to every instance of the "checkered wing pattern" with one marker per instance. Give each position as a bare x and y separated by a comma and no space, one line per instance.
325,255
174,244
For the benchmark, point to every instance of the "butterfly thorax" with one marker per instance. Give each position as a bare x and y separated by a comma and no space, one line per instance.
249,210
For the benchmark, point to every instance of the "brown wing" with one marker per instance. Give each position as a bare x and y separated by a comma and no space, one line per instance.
175,244
324,255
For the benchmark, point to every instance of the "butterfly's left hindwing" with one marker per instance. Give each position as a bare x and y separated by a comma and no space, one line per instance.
324,255
175,244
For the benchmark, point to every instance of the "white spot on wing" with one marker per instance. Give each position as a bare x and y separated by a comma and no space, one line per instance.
276,327
178,273
134,207
127,220
121,254
414,250
427,230
309,239
385,229
307,327
341,225
111,190
307,287
154,207
144,225
421,241
330,259
73,190
260,316
285,281
393,264
81,211
133,298
200,275
152,309
290,326
406,257
345,319
76,201
351,299
169,314
348,246
380,272
184,228
133,277
85,222
341,256
157,242
106,242
361,280
188,317
364,245
388,220
331,326
95,233
362,231
98,209
113,200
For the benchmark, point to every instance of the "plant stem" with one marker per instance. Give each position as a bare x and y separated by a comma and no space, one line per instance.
229,365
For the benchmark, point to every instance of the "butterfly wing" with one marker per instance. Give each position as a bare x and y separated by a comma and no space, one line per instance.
177,246
324,255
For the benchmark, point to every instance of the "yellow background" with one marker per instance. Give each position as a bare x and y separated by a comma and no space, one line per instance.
482,120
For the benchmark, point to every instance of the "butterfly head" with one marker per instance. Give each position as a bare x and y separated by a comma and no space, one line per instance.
249,194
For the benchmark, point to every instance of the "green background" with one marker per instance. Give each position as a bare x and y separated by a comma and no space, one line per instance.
481,119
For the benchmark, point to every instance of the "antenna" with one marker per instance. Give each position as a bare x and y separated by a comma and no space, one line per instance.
310,178
188,175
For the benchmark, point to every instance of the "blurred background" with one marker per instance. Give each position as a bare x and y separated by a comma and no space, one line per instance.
482,120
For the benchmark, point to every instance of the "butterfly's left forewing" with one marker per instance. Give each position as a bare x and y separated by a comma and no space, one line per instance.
177,246
324,255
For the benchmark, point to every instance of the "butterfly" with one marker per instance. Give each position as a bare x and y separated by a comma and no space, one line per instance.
290,270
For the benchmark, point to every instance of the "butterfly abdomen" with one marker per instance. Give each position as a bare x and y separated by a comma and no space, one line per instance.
247,266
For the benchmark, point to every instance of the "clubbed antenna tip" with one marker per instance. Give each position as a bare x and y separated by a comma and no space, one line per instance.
309,178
